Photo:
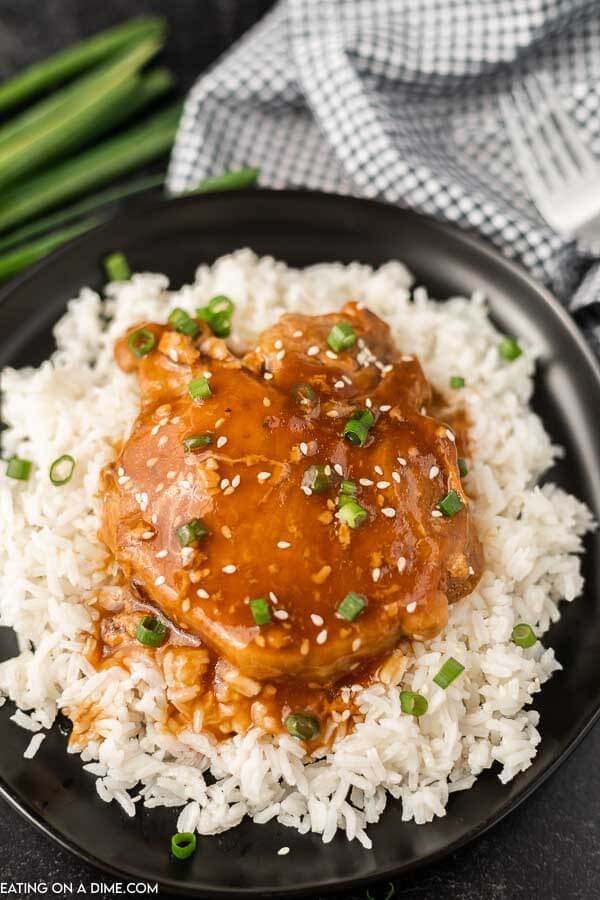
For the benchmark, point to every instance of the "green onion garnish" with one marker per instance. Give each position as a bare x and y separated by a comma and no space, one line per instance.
141,342
448,673
229,181
413,704
317,479
180,321
61,470
18,468
351,606
304,395
199,389
356,429
457,381
150,632
509,349
183,844
303,726
217,314
348,488
462,467
117,267
351,512
260,610
197,442
450,504
523,636
194,531
341,337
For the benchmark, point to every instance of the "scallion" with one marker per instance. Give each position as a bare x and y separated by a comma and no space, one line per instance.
199,389
523,636
217,315
183,844
197,442
151,632
356,429
191,532
457,381
304,395
352,606
181,321
260,610
450,504
117,267
61,470
316,479
229,181
448,673
413,704
141,342
509,349
18,468
462,467
303,726
341,337
352,513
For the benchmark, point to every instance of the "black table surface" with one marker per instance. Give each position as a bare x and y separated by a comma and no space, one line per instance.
549,847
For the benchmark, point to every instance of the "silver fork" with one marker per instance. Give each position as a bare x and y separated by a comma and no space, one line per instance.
562,175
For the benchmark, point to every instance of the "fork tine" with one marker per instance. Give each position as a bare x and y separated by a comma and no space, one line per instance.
538,145
534,182
583,157
553,136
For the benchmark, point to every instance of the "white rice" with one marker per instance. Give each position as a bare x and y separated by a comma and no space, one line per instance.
79,402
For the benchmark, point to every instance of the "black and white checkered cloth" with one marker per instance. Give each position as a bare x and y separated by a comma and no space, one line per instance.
398,99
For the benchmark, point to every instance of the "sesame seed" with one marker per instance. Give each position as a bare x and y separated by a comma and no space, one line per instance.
297,334
333,414
155,430
449,435
187,552
175,420
268,376
173,355
162,441
375,574
401,564
164,422
266,401
224,483
339,385
305,489
219,422
368,403
281,354
150,463
316,620
120,470
202,594
338,468
347,379
471,570
207,374
221,441
228,491
281,614
378,469
273,598
159,487
229,570
312,351
171,475
148,535
226,532
327,470
321,637
385,408
185,606
436,513
406,358
396,476
382,485
356,644
303,448
184,485
283,545
366,482
434,472
160,580
124,479
304,647
410,608
278,344
423,410
262,476
161,554
331,354
401,460
283,851
235,481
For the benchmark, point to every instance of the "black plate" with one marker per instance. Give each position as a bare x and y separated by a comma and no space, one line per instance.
302,228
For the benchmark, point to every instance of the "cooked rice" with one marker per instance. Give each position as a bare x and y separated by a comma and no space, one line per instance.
51,560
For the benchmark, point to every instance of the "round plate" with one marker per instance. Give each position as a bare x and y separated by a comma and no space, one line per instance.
175,236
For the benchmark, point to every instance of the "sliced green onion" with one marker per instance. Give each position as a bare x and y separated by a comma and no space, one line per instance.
352,606
413,704
303,726
317,479
457,381
197,442
217,314
18,468
448,673
348,488
141,342
183,844
150,632
58,467
181,321
356,429
260,610
199,389
193,531
117,267
228,181
523,636
509,349
341,337
450,504
462,467
304,394
352,513
220,304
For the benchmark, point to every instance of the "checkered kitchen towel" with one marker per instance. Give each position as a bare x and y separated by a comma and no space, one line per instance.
398,99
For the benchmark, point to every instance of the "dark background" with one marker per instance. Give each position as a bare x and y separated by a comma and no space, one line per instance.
550,847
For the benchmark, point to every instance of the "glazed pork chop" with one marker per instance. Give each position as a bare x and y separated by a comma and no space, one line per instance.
297,510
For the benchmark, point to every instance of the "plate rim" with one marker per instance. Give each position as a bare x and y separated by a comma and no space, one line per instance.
484,250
